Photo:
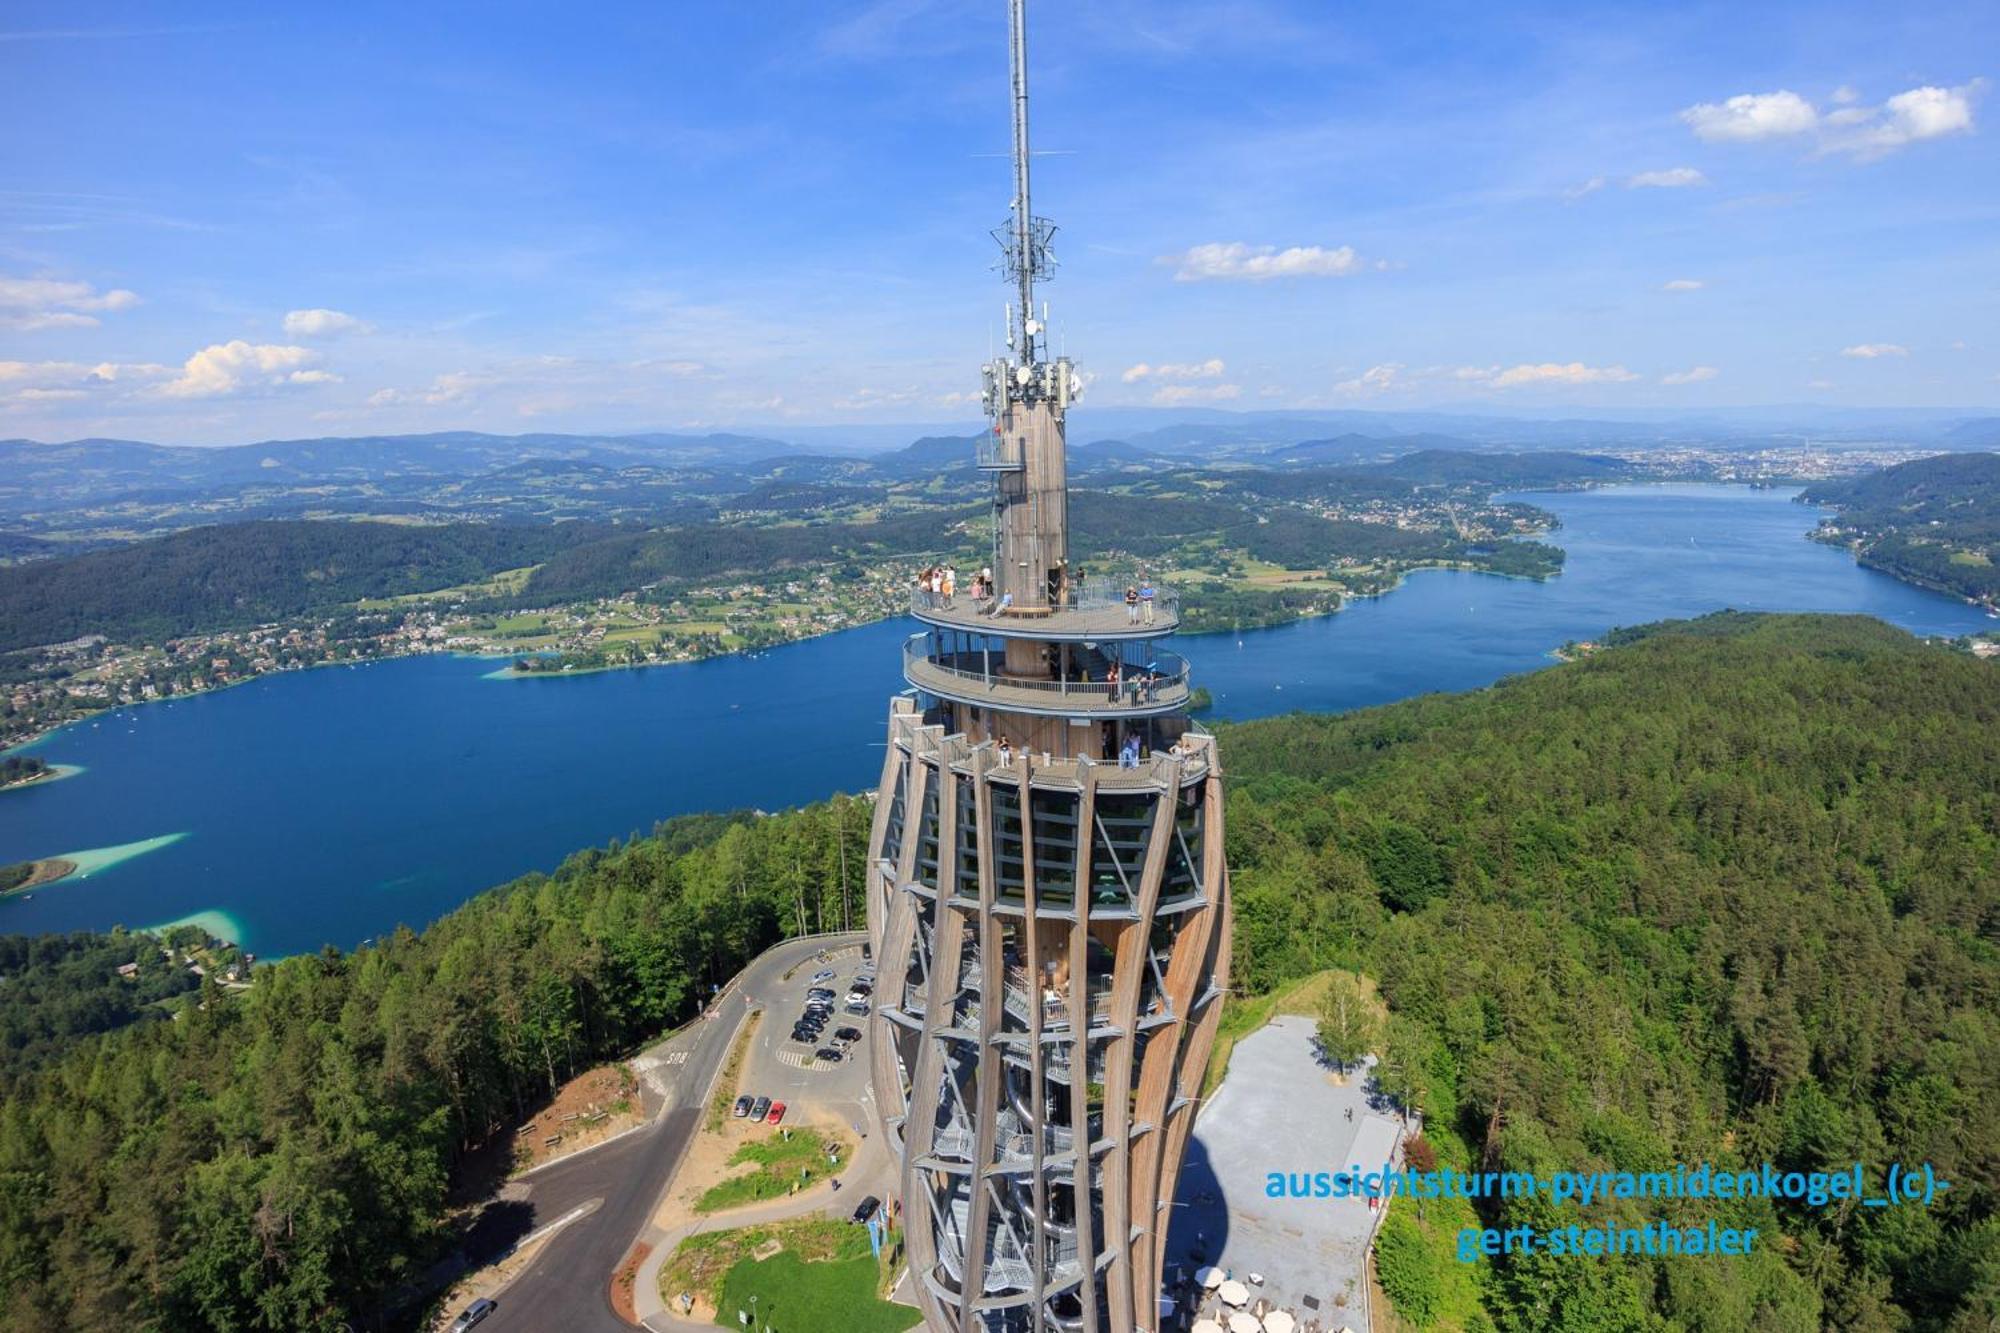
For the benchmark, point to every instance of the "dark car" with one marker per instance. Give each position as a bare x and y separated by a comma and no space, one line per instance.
828,1054
820,993
805,1034
847,1034
742,1107
761,1108
472,1314
866,1208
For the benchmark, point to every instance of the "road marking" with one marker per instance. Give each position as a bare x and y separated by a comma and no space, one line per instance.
544,1233
675,1058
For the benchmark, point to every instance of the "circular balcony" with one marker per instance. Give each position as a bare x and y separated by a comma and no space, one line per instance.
1097,610
972,678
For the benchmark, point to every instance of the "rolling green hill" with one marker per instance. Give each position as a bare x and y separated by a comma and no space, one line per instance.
240,574
1933,522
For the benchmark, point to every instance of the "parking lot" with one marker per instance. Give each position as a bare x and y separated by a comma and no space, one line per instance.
788,1071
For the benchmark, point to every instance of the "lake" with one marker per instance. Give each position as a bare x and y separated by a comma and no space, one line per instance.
328,806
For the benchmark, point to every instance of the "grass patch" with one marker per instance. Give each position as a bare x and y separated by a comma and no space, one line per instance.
725,1085
794,1296
784,1165
700,1262
1243,1015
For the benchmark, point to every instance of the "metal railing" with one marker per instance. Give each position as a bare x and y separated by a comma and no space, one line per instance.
1164,682
1000,453
1091,595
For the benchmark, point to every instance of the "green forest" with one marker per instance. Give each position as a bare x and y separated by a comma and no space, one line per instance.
1933,522
239,574
1728,891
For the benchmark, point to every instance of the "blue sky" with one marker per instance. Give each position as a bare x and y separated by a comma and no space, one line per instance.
352,219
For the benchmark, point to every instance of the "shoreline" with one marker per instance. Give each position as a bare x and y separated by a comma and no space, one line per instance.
47,870
53,773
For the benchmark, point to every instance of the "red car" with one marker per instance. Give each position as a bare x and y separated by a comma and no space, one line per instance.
777,1113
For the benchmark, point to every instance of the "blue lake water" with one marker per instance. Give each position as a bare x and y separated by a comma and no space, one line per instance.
328,806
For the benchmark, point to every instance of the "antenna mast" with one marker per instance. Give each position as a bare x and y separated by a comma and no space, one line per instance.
1025,258
1022,259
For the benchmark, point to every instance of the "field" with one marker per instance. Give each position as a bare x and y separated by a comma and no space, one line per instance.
822,1280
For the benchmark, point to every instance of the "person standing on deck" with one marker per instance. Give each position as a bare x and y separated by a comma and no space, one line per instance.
1131,605
1146,599
950,585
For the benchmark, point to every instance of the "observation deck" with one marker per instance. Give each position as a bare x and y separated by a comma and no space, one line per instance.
974,678
1096,610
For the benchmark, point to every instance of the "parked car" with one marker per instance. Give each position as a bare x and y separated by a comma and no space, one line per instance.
866,1208
761,1108
805,1034
742,1107
828,1054
857,997
777,1112
472,1314
824,974
819,993
859,1008
847,1034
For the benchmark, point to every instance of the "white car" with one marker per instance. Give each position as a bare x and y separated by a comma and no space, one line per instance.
825,974
857,997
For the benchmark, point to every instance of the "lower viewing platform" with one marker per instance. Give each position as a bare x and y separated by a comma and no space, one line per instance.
1075,684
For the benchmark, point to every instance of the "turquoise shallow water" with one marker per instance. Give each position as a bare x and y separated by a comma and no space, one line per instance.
329,806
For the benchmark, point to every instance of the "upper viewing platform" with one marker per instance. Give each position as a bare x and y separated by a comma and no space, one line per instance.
1096,610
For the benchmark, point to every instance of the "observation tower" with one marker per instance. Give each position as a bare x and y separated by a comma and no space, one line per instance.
1047,896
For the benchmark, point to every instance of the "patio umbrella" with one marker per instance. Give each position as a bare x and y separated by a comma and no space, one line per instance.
1205,1326
1243,1322
1279,1321
1233,1293
1210,1277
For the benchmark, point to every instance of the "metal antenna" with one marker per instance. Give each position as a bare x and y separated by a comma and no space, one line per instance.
1024,260
1024,241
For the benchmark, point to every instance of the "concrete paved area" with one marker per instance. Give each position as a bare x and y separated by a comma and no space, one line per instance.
1281,1110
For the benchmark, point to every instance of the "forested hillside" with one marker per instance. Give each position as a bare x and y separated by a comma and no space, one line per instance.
1729,892
1934,522
251,573
278,1160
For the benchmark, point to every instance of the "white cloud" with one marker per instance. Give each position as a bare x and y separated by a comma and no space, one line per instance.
1547,372
237,366
1693,375
1589,187
1750,116
76,373
1673,178
1260,263
1874,351
1179,395
1819,384
1372,381
1683,285
1193,370
451,387
321,323
28,304
1864,132
1908,117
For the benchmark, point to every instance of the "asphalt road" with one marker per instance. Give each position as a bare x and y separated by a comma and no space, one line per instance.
568,1287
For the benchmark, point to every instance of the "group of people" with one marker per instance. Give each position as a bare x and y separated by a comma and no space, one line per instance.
1141,684
937,585
1139,599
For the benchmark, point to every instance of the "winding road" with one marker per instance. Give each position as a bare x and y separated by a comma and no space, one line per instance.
623,1182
